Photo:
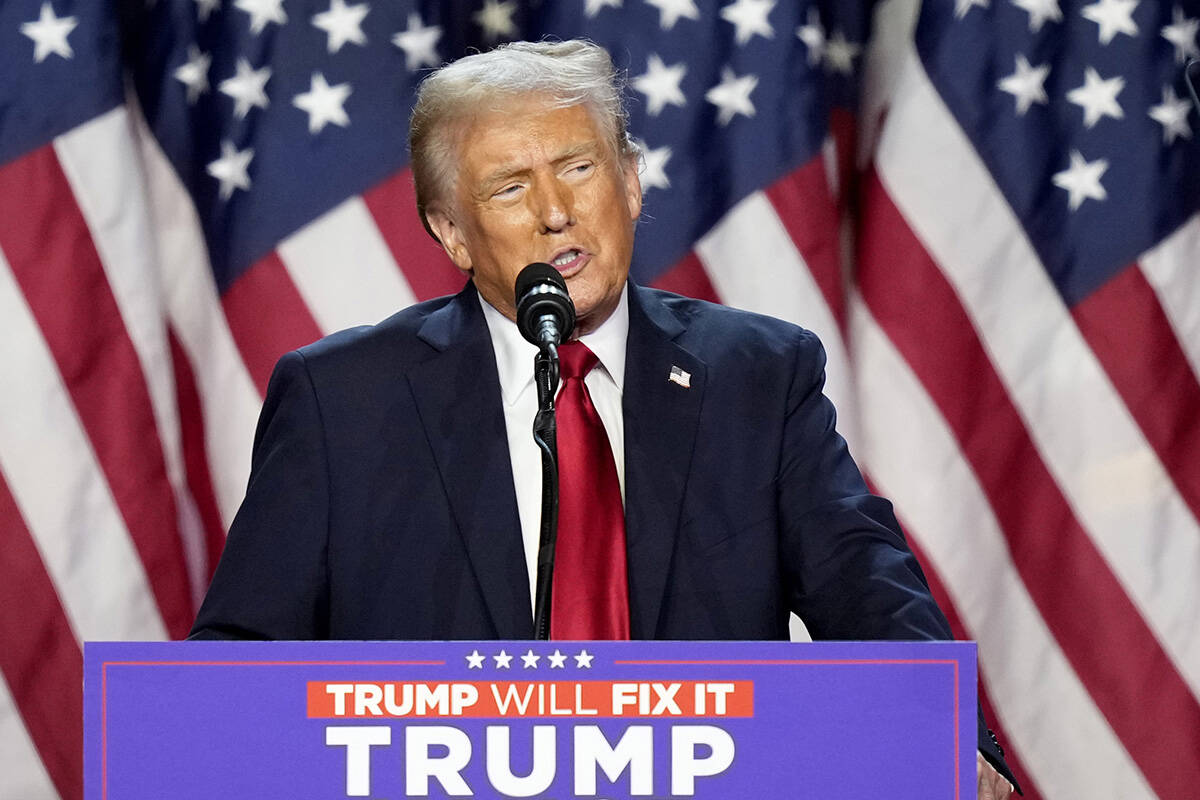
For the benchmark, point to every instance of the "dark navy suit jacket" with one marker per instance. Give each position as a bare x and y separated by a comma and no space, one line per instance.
381,501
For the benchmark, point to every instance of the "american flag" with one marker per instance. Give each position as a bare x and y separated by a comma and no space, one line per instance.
987,209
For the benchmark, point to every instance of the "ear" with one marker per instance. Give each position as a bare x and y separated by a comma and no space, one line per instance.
633,186
451,238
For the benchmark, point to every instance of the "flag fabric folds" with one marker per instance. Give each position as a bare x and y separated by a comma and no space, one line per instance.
989,210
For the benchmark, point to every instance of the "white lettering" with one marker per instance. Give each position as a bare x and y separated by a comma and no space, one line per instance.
421,765
358,740
635,750
686,767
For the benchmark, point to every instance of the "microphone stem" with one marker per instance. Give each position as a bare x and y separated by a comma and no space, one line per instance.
545,372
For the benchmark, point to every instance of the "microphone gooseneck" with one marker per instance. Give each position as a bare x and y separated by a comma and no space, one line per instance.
545,313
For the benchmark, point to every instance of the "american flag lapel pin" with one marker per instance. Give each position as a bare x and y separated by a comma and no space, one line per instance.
677,375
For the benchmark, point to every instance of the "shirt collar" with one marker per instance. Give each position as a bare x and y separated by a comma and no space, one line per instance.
514,355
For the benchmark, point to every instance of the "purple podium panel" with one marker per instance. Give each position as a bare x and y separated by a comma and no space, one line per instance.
332,720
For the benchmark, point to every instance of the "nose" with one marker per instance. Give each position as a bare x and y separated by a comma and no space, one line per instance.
555,205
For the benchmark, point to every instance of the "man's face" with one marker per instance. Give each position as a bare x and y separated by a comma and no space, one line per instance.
539,183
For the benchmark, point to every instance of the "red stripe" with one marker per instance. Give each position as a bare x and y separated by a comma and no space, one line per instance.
938,588
55,262
804,203
1125,326
195,453
40,658
1101,633
267,317
428,270
688,278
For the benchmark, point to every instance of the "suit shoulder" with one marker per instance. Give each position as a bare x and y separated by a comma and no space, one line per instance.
394,341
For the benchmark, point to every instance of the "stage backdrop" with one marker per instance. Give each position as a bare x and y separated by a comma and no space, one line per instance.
987,209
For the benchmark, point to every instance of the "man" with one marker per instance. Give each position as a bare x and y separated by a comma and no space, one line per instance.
382,502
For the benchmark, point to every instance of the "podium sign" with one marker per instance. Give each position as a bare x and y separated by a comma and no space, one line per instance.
332,720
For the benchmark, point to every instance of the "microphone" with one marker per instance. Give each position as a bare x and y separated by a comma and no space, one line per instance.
1191,74
545,313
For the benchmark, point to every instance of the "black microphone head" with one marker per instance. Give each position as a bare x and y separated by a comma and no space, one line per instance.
541,291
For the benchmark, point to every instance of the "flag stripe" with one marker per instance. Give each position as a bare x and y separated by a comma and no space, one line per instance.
195,456
227,392
1150,371
804,202
50,253
937,588
40,660
688,278
61,491
1113,482
1171,269
1116,660
267,317
428,271
343,269
1041,699
780,285
25,776
100,164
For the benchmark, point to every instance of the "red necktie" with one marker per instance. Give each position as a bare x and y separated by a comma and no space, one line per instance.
591,592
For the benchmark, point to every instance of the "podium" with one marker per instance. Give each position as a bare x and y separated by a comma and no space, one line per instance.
385,720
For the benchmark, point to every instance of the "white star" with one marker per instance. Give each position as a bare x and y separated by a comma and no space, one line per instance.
49,34
247,88
419,43
732,95
530,659
1040,11
557,659
669,11
1097,97
475,660
749,17
813,36
654,163
660,84
323,103
1027,84
1181,33
503,660
194,73
1082,180
204,8
840,54
261,12
1172,114
593,7
583,660
961,7
230,169
342,23
1113,17
496,19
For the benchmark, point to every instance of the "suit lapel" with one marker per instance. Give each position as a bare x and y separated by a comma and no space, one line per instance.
457,394
661,418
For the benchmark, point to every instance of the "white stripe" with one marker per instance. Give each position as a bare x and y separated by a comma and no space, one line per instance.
57,483
754,264
101,166
1066,744
344,270
1173,270
228,397
24,775
1110,475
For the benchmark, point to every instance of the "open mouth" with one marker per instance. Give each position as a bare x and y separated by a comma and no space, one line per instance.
567,259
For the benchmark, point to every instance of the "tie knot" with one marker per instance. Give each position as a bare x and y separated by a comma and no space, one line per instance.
575,360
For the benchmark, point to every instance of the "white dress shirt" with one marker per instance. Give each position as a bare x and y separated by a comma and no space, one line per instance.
514,362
